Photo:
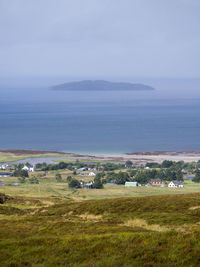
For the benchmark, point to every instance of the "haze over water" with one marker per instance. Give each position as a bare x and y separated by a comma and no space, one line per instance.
102,122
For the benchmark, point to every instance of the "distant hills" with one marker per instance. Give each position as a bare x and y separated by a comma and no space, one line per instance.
100,85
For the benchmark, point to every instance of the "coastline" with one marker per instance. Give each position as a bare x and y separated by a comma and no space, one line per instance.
135,157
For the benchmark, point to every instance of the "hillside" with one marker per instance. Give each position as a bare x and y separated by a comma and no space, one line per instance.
136,231
101,85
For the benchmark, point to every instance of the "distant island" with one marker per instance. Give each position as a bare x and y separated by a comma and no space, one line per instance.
100,85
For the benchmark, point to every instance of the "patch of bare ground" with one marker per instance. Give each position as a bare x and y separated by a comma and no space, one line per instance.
143,224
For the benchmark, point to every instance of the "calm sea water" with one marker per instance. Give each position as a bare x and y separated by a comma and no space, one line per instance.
99,121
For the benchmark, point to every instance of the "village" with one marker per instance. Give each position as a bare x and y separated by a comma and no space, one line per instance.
89,175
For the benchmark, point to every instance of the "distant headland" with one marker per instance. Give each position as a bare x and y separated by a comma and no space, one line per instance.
101,85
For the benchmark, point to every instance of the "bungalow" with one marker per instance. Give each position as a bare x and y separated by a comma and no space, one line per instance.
175,184
28,168
156,182
128,184
5,174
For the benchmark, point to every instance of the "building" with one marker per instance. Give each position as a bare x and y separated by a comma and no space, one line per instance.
175,184
28,168
189,177
128,184
3,166
82,169
91,174
88,185
5,174
156,182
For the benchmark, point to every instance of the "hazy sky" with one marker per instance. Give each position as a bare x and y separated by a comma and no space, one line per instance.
100,38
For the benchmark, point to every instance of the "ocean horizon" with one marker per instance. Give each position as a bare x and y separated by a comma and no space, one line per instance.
99,122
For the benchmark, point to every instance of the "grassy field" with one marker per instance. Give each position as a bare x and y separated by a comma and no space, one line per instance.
48,187
6,157
49,224
135,231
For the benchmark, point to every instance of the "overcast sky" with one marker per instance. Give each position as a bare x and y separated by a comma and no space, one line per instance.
100,38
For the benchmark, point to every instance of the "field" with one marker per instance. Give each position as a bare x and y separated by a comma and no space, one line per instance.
49,224
135,231
48,187
14,156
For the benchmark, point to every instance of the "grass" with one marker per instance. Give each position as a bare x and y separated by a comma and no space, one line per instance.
48,187
7,156
133,231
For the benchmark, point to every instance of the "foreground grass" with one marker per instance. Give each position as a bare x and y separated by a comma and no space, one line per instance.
138,231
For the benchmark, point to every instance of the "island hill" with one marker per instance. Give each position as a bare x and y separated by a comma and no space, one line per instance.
100,85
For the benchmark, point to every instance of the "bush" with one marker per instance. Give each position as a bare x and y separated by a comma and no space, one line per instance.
34,180
22,180
58,177
74,184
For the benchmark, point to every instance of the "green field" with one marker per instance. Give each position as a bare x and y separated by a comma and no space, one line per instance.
7,157
48,187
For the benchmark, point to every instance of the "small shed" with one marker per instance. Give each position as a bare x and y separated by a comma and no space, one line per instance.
128,184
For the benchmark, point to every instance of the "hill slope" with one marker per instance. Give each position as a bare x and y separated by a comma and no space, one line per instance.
146,231
101,85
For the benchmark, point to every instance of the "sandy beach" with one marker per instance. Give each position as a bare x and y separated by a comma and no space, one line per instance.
137,158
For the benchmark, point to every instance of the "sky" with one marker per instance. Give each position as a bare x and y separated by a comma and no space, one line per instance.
100,38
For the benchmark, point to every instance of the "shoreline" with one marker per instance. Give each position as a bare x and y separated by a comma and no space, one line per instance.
137,158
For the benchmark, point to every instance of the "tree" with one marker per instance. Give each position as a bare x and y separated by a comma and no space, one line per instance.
97,183
129,164
121,178
141,177
74,184
20,172
167,163
58,177
196,179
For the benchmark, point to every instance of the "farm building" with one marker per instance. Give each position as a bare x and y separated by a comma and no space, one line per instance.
175,184
127,184
156,182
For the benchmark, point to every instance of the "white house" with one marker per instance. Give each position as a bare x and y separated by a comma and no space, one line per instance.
91,174
175,184
3,166
28,168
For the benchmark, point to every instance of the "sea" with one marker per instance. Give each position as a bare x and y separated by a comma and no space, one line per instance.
166,119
